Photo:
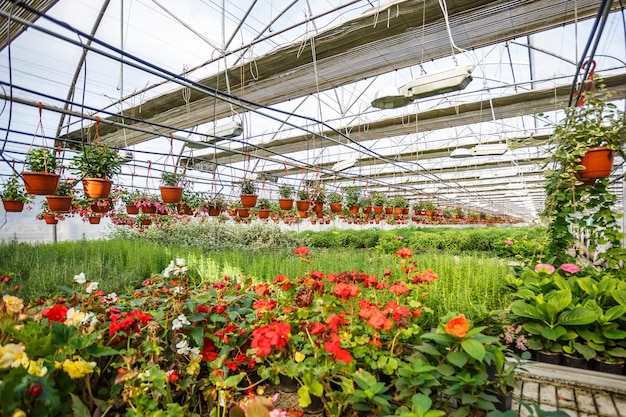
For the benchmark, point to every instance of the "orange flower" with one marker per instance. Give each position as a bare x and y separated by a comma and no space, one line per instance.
458,326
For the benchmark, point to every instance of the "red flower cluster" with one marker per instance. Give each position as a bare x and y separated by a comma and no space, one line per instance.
404,253
129,322
334,347
263,305
427,276
399,288
208,352
345,291
271,335
301,251
57,313
375,317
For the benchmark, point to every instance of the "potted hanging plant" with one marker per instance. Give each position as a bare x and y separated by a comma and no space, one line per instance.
588,136
263,207
378,201
96,165
248,193
172,187
61,200
14,195
335,199
352,198
40,179
303,203
285,191
318,197
216,205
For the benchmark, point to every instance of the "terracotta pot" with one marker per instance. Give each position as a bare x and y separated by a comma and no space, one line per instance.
40,183
264,213
97,187
248,200
243,212
170,194
13,206
94,219
146,222
335,207
132,209
598,163
303,205
148,209
213,211
367,210
101,207
50,220
405,210
378,209
317,207
354,210
303,214
285,203
388,210
59,203
183,208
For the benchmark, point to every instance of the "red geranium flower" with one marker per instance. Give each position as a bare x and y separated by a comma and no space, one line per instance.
268,336
404,253
334,347
302,251
427,276
399,288
345,291
458,326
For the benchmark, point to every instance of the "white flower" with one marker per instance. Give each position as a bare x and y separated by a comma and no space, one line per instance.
80,278
194,353
91,287
176,290
182,347
111,298
74,317
179,321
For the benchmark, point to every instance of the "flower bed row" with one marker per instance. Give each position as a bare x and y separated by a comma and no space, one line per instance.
350,338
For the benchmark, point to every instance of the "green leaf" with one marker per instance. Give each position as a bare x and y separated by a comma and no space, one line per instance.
473,348
522,309
458,359
100,351
197,334
421,403
534,328
615,312
620,297
558,302
615,334
618,352
553,334
585,350
80,409
577,316
304,398
234,380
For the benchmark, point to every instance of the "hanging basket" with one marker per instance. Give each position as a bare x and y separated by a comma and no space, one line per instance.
40,183
50,220
13,206
303,205
132,209
59,203
97,187
170,194
285,203
248,200
598,163
94,219
335,207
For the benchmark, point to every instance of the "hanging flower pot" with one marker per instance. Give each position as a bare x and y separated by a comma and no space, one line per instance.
598,163
335,207
94,219
285,203
50,219
354,210
243,212
101,206
132,209
264,213
214,211
59,203
40,183
318,207
97,187
303,205
13,206
171,194
248,200
183,208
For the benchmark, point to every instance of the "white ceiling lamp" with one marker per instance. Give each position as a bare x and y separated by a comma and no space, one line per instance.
229,130
428,85
461,153
345,164
490,149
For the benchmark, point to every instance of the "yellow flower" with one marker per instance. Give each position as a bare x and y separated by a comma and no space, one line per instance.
14,304
78,368
36,368
13,356
18,413
299,356
74,317
193,368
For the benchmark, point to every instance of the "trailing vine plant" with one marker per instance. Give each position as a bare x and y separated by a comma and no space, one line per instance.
572,207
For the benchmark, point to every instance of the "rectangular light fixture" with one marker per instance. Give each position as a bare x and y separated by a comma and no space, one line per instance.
345,164
229,130
453,79
490,149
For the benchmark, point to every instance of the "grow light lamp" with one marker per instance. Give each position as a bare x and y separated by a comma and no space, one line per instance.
345,164
426,86
227,131
490,149
461,153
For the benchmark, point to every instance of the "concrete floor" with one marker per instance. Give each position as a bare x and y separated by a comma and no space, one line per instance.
578,392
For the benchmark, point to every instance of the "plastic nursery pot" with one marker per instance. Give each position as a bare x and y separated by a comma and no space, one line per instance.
285,203
598,163
248,200
171,194
40,183
13,206
97,187
59,203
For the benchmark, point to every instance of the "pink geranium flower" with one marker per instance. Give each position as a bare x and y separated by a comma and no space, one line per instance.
508,242
570,268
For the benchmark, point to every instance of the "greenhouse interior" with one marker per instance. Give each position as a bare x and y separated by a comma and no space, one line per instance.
402,208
